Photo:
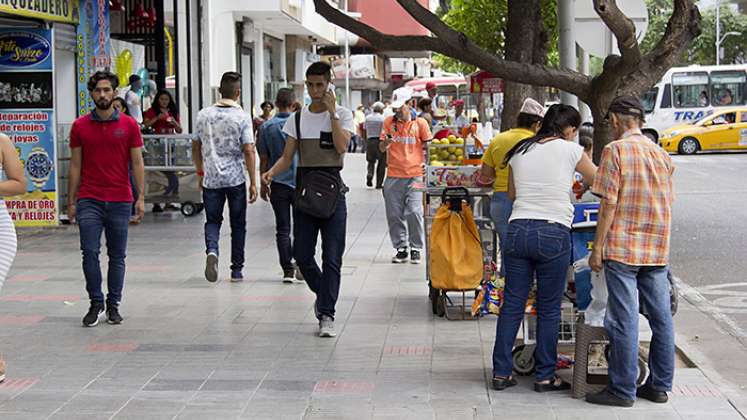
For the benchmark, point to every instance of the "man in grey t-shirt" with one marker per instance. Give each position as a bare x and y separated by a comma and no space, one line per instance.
223,151
374,123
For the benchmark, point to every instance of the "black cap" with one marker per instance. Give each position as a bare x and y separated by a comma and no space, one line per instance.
627,105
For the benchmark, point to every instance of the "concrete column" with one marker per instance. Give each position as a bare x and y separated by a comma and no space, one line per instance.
567,41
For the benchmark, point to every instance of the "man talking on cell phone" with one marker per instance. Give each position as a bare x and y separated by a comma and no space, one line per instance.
320,133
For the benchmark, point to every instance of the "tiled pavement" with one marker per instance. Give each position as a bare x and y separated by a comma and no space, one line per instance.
193,350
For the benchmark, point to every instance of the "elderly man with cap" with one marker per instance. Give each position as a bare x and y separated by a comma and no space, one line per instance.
373,125
403,139
634,181
493,170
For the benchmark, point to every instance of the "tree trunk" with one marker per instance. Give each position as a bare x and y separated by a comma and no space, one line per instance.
520,43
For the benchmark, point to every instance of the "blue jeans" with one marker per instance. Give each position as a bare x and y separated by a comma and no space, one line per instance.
324,282
282,197
214,201
533,248
500,211
628,286
95,217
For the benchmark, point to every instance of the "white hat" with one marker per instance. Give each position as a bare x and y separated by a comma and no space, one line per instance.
400,97
378,106
420,94
532,107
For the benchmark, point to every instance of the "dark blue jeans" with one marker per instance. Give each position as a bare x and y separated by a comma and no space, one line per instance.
534,248
214,201
630,287
500,211
324,282
281,198
95,217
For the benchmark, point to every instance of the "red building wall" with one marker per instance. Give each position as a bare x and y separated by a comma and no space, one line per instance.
388,16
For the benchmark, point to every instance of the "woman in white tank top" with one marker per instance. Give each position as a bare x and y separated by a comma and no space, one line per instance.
12,182
538,242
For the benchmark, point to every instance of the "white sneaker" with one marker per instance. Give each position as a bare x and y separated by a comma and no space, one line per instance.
327,327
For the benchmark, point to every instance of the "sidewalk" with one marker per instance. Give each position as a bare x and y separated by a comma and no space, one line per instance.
189,349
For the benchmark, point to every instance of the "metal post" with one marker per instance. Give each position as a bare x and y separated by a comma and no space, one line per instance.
583,108
567,41
718,32
347,64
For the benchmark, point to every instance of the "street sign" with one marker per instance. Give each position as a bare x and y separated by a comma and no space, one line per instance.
593,35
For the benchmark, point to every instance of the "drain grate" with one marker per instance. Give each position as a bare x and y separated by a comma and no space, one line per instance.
408,350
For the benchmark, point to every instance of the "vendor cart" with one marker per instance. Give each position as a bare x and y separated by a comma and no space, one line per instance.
170,175
449,166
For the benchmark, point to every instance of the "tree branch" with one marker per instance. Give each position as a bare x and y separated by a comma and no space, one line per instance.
624,30
682,28
455,44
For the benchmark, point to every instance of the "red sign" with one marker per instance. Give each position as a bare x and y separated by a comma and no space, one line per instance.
485,82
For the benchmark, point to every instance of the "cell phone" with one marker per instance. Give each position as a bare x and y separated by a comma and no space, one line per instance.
331,88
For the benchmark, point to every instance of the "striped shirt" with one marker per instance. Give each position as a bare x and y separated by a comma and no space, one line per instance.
636,175
8,241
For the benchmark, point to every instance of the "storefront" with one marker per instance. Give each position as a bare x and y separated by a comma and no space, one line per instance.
38,98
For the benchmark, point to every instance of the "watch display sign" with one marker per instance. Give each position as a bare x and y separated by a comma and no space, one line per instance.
27,117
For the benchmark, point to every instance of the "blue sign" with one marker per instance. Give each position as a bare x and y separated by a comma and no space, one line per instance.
26,48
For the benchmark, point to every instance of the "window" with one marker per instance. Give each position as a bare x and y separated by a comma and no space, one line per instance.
649,100
728,118
690,89
743,117
666,97
727,88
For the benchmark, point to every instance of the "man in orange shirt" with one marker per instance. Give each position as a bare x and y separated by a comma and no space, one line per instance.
403,139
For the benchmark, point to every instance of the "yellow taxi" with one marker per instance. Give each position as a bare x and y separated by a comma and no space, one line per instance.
725,129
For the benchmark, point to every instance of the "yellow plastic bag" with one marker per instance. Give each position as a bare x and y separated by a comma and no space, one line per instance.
456,253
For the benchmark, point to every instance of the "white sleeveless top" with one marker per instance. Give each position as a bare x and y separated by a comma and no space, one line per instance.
543,178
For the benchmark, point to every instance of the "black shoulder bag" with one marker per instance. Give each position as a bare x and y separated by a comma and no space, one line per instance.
318,190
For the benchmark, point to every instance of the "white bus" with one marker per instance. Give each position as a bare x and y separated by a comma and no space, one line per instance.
686,94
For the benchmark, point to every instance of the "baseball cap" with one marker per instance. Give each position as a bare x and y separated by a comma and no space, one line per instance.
400,97
532,107
627,105
457,102
430,85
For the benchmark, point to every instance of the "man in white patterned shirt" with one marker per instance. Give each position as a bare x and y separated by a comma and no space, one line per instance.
222,152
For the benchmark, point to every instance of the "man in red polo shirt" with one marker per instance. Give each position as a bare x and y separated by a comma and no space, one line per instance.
103,145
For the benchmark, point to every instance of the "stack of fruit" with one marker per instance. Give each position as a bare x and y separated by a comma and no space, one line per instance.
448,151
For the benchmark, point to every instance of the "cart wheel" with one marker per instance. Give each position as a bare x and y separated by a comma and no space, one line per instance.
642,372
522,367
441,304
189,208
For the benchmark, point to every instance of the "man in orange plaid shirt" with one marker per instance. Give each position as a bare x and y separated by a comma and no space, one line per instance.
634,181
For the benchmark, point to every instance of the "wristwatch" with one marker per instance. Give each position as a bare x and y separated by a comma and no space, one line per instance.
38,166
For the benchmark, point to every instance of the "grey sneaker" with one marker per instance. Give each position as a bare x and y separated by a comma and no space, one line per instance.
327,327
211,267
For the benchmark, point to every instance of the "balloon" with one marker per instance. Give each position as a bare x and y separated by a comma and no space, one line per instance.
149,87
143,73
123,64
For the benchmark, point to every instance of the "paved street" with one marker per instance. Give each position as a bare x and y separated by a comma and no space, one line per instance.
193,350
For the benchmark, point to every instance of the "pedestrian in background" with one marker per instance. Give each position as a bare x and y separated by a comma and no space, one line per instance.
320,133
281,192
538,245
403,138
120,106
133,99
426,112
12,182
632,247
163,118
266,107
224,152
374,156
104,145
493,170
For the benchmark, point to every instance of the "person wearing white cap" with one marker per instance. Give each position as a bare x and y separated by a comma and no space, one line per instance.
493,170
403,139
373,125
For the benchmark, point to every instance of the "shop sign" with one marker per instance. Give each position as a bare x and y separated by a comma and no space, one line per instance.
24,49
55,10
93,41
27,117
484,82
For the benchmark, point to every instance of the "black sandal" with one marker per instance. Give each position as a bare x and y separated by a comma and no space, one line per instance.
499,384
555,384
